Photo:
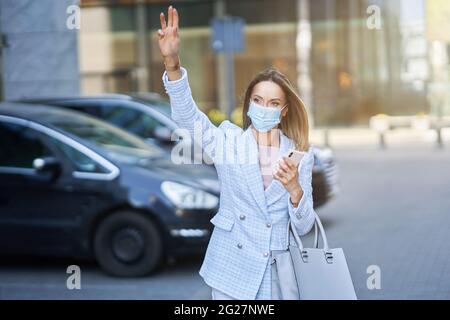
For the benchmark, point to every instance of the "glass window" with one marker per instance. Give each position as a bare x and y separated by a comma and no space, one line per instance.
81,162
121,117
115,141
90,110
158,104
131,120
20,146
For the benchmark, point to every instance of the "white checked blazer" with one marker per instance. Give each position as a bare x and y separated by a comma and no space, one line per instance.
251,221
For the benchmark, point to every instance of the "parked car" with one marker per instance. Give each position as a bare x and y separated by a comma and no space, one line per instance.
73,185
148,116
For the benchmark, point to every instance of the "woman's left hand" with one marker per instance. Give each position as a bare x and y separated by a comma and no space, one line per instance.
287,173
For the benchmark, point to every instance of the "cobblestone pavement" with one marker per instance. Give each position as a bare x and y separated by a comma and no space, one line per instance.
393,212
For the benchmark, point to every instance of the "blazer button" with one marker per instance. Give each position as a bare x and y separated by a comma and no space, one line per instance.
268,225
242,217
239,245
266,254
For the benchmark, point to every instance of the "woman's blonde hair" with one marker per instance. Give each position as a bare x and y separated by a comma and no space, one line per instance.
295,124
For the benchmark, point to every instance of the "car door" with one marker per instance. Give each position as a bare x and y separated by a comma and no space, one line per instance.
40,214
93,186
34,216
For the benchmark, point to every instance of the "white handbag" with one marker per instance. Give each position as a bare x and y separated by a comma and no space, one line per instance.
300,273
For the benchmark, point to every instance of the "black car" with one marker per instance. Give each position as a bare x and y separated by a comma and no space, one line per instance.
72,185
148,116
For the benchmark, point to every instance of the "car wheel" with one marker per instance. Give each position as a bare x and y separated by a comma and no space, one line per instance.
127,244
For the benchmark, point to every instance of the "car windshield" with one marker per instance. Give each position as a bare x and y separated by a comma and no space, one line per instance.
159,104
116,142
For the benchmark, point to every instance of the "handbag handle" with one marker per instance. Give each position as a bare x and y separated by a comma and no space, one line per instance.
316,235
317,224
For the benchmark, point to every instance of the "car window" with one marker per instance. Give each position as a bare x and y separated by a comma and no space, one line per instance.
80,161
131,120
115,141
162,106
20,146
93,111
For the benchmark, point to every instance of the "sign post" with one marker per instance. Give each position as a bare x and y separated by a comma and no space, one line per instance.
228,38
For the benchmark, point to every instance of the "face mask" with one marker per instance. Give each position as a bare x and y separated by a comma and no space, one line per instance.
264,118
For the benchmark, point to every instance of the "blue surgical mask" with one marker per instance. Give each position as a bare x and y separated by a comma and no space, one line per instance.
264,118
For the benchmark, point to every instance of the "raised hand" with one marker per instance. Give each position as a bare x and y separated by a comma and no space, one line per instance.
168,38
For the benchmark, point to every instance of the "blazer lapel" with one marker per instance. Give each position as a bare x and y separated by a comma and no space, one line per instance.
276,189
252,171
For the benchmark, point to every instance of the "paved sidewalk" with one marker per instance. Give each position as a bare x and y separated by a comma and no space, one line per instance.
394,212
366,137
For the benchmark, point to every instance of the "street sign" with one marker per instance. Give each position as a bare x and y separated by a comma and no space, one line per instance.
228,34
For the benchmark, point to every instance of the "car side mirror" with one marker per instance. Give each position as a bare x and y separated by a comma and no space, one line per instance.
47,165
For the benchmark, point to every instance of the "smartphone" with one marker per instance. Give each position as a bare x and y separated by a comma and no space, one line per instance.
295,155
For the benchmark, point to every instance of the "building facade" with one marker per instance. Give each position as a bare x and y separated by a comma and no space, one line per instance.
356,70
39,48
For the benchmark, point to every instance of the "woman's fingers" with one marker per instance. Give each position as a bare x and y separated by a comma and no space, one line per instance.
279,177
284,165
276,175
290,163
172,19
160,34
288,167
282,171
175,18
162,19
170,16
285,171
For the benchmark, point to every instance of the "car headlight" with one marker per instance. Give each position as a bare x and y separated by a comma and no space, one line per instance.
185,197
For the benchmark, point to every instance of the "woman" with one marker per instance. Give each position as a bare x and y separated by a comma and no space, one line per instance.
255,202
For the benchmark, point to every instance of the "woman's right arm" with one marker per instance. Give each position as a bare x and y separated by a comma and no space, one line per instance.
185,111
